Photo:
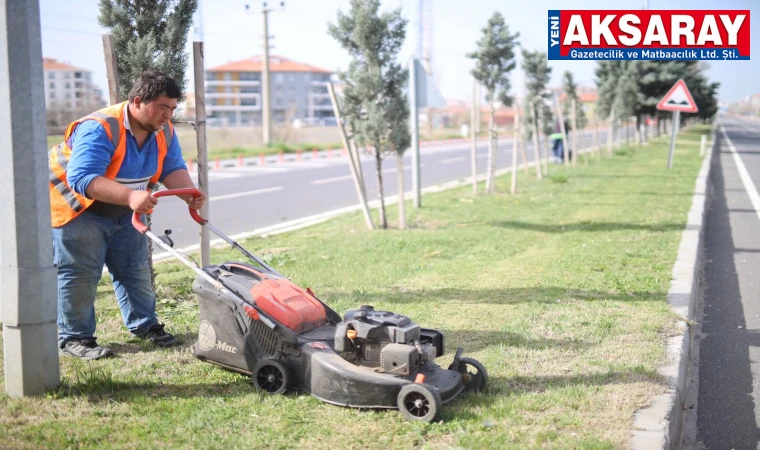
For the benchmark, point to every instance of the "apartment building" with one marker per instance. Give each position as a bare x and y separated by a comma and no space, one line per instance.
297,93
69,92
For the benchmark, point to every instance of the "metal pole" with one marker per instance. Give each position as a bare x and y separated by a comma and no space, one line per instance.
266,125
415,132
473,143
200,139
674,133
28,278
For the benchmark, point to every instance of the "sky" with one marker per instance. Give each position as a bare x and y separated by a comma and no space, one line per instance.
71,34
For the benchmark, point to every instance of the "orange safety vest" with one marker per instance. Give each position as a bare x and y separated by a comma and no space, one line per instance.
65,204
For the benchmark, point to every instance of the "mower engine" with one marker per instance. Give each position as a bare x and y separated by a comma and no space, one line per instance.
385,341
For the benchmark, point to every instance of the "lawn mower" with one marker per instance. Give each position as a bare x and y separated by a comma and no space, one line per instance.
255,321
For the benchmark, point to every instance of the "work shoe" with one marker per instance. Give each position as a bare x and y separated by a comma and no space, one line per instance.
86,349
160,337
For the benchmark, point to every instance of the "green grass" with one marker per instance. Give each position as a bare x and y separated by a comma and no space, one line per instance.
275,148
559,290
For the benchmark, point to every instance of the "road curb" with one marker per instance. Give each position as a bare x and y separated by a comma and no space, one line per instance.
660,424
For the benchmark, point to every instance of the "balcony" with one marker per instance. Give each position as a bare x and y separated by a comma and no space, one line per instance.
255,95
212,108
232,83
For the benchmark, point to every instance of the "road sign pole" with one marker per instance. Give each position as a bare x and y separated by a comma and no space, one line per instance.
676,100
674,133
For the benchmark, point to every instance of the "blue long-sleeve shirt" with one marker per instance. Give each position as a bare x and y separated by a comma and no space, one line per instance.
91,152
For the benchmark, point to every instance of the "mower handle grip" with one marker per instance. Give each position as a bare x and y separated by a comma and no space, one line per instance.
142,228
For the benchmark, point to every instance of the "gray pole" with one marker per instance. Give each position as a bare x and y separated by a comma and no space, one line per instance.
473,138
415,132
200,139
28,281
674,133
266,125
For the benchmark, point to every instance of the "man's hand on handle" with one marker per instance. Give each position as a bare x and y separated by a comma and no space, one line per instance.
195,203
142,201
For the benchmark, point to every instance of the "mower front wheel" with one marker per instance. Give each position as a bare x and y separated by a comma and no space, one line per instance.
419,402
270,376
474,374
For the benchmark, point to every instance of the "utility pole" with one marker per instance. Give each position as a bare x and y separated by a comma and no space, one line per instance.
28,277
266,105
266,111
425,49
199,21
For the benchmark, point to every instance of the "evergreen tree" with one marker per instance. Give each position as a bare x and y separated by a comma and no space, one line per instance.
616,84
537,77
494,60
571,94
374,86
148,34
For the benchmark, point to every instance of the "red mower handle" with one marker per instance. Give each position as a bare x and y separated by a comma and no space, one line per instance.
142,228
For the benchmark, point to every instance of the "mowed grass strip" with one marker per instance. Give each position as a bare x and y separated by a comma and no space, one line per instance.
559,290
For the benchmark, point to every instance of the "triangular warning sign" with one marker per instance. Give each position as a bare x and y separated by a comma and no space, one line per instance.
678,99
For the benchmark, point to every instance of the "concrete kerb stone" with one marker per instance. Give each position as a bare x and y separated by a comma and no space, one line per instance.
660,424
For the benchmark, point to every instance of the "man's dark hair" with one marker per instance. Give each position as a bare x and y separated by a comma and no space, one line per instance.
152,84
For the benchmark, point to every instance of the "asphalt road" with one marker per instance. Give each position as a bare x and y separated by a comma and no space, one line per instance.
728,406
246,198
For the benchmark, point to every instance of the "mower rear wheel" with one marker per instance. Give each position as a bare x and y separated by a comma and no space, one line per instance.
419,402
270,376
474,374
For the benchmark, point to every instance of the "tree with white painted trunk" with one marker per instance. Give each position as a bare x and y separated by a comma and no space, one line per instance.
374,86
537,76
494,60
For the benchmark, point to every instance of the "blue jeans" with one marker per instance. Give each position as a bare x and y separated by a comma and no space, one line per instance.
81,248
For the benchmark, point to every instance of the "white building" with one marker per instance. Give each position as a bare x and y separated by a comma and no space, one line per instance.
298,92
69,92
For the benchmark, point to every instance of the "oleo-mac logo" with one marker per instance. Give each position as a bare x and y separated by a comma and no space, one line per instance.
207,339
646,34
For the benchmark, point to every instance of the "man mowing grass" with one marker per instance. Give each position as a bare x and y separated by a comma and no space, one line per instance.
103,172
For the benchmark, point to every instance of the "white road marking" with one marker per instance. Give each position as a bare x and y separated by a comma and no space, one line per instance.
749,186
331,180
218,174
348,177
454,160
247,193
